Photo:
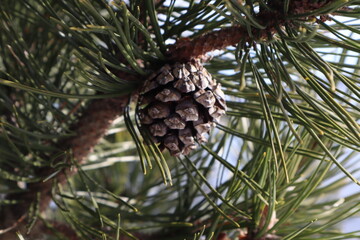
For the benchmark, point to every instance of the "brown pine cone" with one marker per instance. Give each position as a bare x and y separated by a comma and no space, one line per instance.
179,105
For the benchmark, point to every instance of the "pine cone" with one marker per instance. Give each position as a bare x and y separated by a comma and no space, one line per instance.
179,105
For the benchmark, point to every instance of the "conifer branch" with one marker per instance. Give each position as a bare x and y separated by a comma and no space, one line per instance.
93,125
90,128
100,114
186,49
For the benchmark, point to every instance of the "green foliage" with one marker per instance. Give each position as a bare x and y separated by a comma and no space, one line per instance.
274,165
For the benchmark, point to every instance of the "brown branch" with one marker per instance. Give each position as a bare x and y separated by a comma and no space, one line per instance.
90,128
94,123
186,49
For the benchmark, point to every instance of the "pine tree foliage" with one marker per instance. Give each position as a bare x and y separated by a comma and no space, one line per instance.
75,162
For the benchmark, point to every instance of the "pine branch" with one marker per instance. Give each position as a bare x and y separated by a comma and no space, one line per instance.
99,115
186,49
270,21
90,128
93,125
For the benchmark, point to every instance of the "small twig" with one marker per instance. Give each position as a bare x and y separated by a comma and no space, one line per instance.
14,225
